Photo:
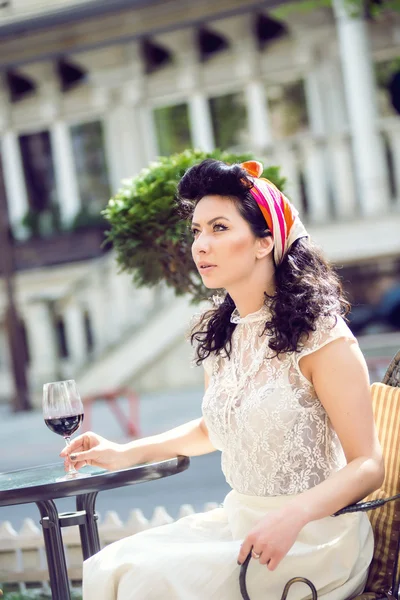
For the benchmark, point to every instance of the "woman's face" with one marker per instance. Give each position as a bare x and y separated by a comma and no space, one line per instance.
224,247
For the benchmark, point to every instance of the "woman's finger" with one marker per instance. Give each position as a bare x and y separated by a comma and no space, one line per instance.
274,562
265,557
75,446
256,552
80,464
245,550
77,457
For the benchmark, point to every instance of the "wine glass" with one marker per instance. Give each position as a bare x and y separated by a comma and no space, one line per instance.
63,414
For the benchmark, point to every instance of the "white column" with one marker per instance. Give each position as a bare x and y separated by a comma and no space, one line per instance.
340,156
114,123
5,109
238,29
65,172
101,100
148,133
97,302
42,341
285,157
371,171
258,117
14,181
75,332
200,122
187,78
120,300
342,176
314,101
316,181
182,45
124,143
316,156
133,98
125,138
333,100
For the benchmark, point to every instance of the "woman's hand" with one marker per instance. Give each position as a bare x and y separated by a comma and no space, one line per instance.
92,449
273,537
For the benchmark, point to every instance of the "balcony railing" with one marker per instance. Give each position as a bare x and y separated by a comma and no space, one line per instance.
11,10
63,248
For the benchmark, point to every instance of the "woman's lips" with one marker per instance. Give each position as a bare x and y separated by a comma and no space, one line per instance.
207,269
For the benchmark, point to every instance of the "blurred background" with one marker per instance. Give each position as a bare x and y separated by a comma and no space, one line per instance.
92,91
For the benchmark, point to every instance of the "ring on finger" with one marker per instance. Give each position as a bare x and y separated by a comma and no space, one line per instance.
255,555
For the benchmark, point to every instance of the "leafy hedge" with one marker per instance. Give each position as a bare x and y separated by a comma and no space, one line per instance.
151,241
34,595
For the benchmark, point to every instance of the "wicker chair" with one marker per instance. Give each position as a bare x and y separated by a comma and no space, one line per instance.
383,574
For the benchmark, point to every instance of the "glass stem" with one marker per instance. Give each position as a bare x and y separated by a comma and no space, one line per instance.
71,469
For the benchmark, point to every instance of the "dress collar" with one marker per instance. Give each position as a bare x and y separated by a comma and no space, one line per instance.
260,315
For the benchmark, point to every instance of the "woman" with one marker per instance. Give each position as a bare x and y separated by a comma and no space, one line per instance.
287,402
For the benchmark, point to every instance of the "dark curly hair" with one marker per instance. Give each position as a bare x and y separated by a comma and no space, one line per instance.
307,287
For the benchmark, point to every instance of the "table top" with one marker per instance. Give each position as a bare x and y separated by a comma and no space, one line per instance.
40,483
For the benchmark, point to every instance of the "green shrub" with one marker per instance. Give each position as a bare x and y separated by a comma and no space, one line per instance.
34,595
151,241
44,223
88,220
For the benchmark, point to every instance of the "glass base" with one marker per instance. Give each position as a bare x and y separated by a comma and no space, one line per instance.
69,476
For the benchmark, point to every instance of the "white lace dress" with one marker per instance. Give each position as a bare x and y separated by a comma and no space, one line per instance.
276,441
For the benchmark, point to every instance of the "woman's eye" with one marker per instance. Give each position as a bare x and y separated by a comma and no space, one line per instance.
216,227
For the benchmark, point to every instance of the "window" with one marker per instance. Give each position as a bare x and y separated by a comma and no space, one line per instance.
387,76
37,160
91,165
172,129
88,332
287,108
43,216
61,338
229,120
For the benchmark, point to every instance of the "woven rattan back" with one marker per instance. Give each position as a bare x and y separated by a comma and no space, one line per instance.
384,572
392,375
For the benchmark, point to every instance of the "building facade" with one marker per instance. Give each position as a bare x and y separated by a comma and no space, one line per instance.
91,92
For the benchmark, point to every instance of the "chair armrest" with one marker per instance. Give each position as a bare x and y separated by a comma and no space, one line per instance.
294,580
365,506
373,596
358,507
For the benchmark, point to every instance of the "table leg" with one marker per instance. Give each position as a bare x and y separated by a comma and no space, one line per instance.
54,550
89,532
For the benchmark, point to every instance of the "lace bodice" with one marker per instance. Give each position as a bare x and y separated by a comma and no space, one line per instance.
263,414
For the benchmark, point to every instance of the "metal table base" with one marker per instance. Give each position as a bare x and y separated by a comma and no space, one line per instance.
42,485
85,516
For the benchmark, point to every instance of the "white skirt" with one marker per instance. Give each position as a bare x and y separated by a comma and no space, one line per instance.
195,558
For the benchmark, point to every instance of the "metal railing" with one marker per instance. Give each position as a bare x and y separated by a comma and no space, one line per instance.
22,557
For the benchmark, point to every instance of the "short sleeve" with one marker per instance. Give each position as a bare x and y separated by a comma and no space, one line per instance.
327,331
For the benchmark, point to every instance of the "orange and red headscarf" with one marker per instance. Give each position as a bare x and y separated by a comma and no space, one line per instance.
280,215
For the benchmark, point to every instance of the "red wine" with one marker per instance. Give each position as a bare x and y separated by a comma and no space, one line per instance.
64,426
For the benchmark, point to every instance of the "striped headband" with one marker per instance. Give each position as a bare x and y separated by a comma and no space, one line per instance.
281,216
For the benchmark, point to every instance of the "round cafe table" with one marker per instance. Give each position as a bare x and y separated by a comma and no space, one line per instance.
40,485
